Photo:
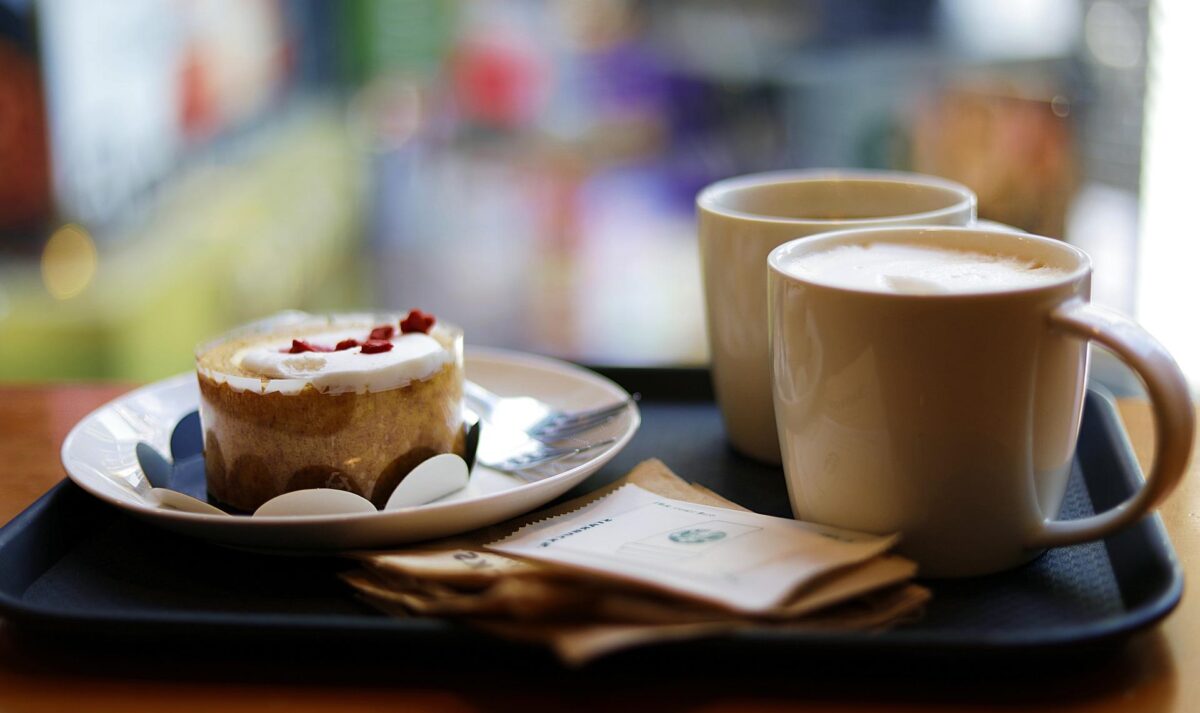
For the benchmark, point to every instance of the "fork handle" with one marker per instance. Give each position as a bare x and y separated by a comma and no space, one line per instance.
482,398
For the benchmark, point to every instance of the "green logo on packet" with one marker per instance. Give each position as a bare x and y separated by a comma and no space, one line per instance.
696,536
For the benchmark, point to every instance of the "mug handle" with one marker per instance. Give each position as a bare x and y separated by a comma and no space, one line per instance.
1174,419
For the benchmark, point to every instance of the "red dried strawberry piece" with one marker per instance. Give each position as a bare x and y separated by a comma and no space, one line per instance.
299,346
375,346
386,331
417,321
346,344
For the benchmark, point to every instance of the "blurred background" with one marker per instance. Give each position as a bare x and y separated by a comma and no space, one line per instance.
527,168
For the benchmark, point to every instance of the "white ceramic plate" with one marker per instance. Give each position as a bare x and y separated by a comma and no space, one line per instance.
99,455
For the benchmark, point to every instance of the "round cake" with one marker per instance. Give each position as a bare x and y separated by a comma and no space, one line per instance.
352,402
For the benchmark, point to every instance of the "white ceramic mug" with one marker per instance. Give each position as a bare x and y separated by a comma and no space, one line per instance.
952,418
742,219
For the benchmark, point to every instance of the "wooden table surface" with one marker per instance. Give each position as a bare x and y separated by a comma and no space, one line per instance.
1157,671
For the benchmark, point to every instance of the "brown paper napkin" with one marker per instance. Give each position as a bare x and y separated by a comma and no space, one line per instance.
582,615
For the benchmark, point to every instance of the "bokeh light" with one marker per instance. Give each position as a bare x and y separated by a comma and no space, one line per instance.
68,262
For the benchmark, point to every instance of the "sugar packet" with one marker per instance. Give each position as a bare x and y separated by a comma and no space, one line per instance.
741,561
583,615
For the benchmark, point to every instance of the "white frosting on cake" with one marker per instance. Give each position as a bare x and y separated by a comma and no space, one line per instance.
413,357
272,368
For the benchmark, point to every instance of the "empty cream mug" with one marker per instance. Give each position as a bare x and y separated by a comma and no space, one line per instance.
742,219
952,418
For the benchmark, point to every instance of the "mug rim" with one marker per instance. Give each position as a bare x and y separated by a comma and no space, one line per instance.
813,243
708,197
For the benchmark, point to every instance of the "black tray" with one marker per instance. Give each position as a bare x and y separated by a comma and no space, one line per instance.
78,574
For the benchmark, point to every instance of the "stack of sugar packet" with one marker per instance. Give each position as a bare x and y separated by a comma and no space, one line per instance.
648,558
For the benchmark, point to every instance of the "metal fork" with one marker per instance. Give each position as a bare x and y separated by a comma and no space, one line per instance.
539,455
511,450
537,418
